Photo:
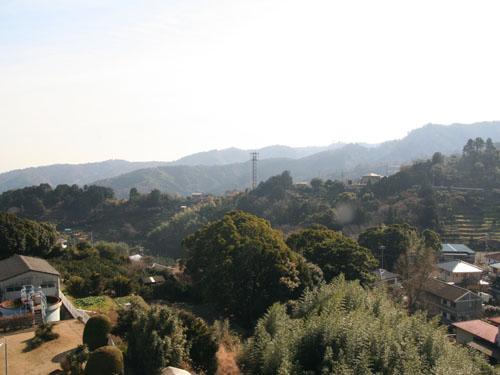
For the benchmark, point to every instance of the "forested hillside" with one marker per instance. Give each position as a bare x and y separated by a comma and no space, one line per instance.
457,196
218,171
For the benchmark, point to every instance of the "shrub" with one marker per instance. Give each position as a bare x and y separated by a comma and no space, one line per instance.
106,360
42,334
77,286
73,363
95,333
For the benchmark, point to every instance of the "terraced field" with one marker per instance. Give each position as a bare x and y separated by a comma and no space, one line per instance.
471,216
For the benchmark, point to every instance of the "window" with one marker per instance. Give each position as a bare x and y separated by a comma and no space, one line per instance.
48,285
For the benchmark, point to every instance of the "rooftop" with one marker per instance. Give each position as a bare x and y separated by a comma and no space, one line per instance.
493,256
19,264
479,329
456,248
382,274
459,266
444,290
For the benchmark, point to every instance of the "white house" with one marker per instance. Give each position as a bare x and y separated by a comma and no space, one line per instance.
20,270
458,271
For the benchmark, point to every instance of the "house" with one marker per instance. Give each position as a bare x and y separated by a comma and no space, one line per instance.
451,302
492,258
135,258
495,268
153,280
481,336
19,270
453,251
458,271
384,276
370,178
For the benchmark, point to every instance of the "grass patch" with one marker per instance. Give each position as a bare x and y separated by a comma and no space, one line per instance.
101,304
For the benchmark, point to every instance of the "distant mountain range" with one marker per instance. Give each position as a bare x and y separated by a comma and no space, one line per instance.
217,171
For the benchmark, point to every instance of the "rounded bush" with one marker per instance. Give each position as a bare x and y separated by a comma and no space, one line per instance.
95,333
106,360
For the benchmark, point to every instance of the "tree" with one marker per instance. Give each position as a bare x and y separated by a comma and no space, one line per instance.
334,253
134,195
156,339
25,237
387,242
242,264
106,360
95,333
121,285
342,328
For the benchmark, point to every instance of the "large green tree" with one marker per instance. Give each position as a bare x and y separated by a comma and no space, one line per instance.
25,237
334,253
389,242
243,265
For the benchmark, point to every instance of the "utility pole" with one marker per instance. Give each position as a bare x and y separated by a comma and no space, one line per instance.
4,343
255,157
382,248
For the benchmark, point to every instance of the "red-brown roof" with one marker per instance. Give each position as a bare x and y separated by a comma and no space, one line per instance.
495,320
479,329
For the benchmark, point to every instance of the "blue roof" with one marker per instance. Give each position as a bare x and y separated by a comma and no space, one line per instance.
456,248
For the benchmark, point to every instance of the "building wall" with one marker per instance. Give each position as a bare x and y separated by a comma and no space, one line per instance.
11,288
458,278
470,307
463,337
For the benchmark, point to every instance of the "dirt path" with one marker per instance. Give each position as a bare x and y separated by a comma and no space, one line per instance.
45,358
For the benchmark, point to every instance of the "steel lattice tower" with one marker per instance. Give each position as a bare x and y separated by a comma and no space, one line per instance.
255,157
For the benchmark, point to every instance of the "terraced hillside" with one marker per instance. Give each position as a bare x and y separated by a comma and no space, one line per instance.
470,216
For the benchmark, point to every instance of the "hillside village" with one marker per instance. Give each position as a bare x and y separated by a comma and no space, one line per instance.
248,282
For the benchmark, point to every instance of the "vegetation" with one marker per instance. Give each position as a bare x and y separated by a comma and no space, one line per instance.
43,334
162,336
243,265
106,360
340,328
334,253
25,237
95,333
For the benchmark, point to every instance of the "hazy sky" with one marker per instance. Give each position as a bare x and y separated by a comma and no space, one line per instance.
88,80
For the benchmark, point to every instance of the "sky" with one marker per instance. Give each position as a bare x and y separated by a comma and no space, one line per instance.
91,80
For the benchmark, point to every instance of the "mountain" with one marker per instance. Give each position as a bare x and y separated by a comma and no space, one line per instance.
82,174
237,155
347,162
219,170
70,174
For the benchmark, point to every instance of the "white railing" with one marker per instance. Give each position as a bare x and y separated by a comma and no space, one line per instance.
75,313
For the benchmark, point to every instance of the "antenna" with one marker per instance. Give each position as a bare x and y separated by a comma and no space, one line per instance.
255,157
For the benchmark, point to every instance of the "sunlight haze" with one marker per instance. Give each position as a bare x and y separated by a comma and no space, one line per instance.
89,80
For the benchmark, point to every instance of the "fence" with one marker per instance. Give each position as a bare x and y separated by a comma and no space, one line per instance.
75,313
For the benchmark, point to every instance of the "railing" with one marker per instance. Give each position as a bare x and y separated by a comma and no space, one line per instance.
75,313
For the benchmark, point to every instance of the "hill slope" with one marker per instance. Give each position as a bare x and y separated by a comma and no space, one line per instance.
349,161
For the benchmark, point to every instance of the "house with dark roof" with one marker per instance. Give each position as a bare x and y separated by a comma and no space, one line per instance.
19,270
449,301
456,251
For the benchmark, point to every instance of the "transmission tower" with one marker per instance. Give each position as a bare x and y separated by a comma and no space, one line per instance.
255,157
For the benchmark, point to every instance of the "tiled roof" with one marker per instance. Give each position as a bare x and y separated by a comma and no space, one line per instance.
444,290
456,248
19,264
479,329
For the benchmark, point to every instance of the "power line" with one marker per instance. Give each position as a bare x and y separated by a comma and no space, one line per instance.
255,157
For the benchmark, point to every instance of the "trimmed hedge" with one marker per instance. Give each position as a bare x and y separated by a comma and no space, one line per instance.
95,333
106,360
